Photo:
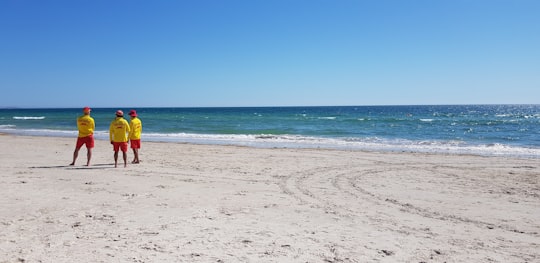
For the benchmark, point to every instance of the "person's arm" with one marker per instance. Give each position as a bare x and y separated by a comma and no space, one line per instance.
92,126
78,125
128,130
131,130
111,132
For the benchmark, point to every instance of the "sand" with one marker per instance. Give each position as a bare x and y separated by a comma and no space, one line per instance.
211,203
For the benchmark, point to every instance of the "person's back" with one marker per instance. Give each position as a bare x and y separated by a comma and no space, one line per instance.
119,130
86,125
136,129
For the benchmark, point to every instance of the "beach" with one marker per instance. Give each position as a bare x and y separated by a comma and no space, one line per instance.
218,203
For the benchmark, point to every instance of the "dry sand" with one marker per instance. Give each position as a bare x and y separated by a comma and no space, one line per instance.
199,203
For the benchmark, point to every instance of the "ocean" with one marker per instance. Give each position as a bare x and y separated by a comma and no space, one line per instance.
486,130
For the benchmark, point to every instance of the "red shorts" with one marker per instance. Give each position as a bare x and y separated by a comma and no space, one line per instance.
120,146
135,144
88,141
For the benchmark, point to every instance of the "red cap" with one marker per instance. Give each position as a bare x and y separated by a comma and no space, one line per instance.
119,113
133,113
86,109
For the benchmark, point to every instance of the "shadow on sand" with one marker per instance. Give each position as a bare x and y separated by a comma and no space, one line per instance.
72,167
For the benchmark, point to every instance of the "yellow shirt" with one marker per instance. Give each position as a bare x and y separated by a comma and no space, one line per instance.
136,128
86,126
119,130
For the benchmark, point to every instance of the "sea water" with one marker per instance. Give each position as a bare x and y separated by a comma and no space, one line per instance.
501,130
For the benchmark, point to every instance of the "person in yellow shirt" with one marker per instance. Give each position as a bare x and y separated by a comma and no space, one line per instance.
86,127
135,126
118,134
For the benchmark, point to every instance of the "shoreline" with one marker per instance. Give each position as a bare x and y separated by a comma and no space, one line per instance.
218,203
314,143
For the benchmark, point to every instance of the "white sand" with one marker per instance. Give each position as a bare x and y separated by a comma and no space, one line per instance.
196,203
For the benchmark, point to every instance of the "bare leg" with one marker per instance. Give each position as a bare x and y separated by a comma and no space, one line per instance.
124,154
115,159
135,155
75,154
88,156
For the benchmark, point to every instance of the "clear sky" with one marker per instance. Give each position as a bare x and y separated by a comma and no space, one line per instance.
130,53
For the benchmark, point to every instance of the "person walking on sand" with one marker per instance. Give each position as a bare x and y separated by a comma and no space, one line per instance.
118,132
135,126
86,127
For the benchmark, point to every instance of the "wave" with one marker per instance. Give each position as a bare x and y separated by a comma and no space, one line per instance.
301,141
11,129
29,118
349,143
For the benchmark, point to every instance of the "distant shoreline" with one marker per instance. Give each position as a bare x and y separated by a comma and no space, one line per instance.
208,144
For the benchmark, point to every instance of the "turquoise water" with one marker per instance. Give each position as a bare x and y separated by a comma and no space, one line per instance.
506,130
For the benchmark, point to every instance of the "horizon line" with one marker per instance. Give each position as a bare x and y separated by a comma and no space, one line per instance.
282,106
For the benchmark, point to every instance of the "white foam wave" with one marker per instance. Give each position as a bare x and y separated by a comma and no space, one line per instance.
37,132
298,141
369,144
29,118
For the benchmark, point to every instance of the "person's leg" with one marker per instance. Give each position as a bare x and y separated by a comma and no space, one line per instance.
89,147
75,154
124,154
115,159
135,145
135,155
88,156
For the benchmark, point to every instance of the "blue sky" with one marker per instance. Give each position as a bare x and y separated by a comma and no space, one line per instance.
205,53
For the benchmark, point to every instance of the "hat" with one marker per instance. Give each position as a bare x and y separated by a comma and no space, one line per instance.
132,113
86,109
119,113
